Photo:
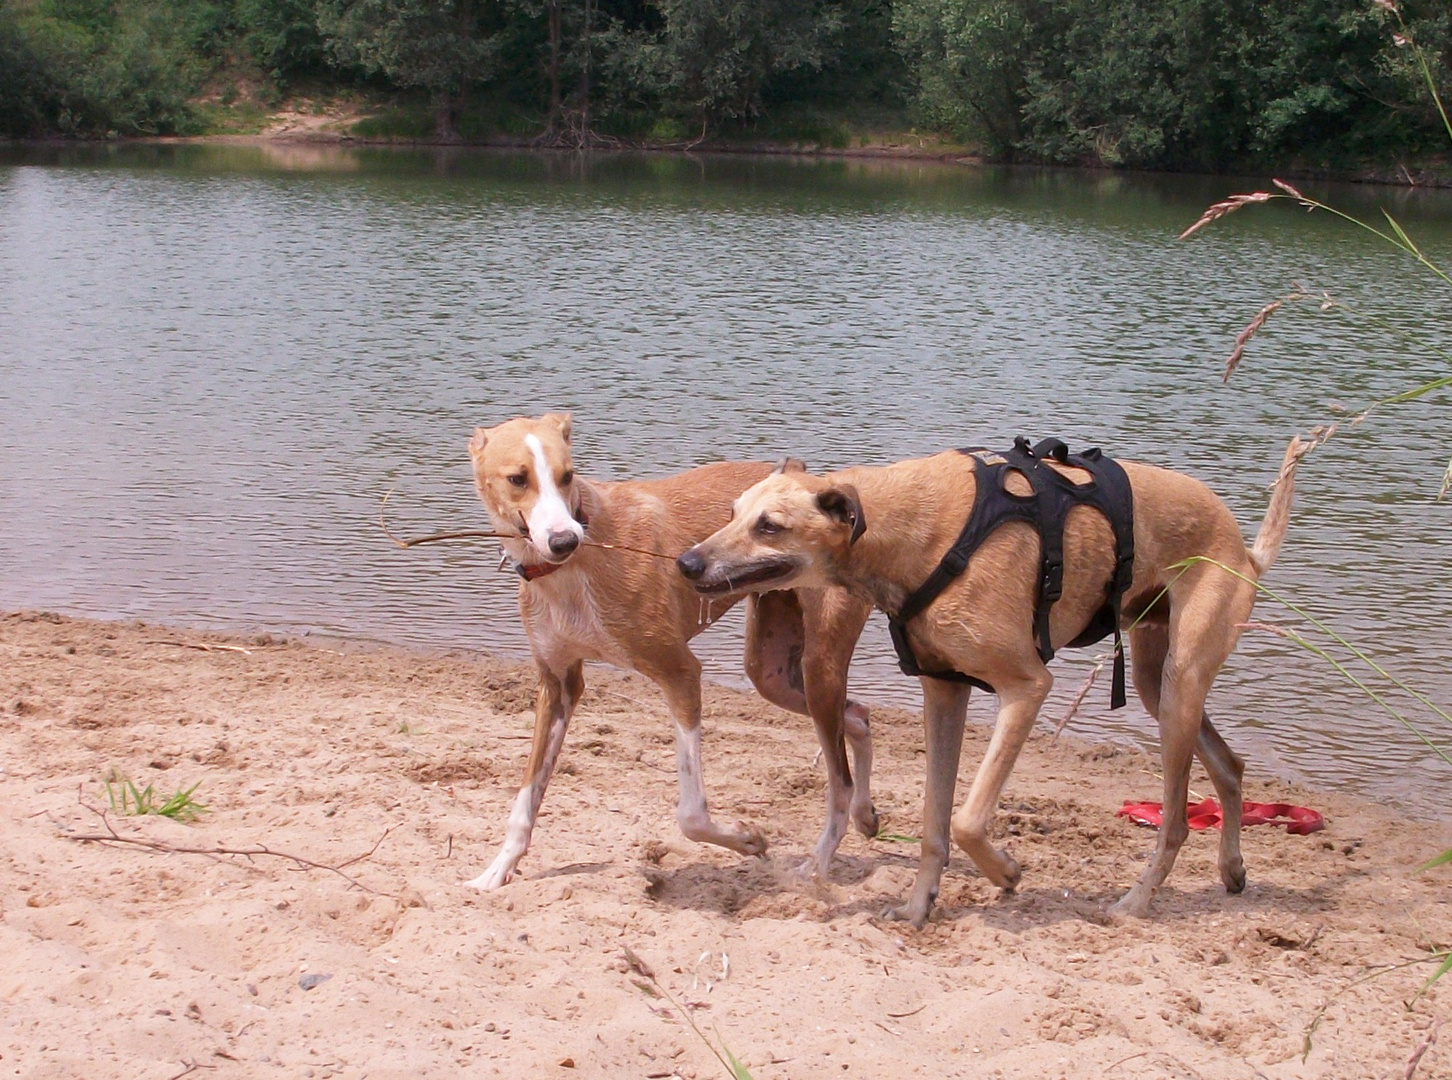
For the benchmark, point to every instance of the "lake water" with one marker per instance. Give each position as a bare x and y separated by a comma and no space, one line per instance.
215,359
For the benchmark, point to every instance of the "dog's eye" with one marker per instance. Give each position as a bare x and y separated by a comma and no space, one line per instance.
568,478
766,526
519,479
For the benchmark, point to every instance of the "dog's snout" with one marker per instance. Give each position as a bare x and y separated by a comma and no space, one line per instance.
691,565
563,542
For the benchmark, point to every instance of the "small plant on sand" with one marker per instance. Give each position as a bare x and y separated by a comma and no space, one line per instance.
126,798
734,1068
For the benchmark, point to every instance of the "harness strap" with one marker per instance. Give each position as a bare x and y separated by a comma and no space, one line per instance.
1047,509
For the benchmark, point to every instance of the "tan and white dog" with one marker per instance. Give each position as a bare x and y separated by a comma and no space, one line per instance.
583,600
879,532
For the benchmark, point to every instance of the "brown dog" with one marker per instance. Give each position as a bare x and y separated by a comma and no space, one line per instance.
583,601
879,532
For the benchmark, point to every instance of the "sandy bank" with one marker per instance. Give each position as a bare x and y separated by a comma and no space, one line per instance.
125,962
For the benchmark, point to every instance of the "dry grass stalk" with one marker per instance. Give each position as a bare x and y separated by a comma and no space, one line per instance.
111,836
1416,1058
1073,708
1269,628
1446,483
1292,192
1228,206
1251,329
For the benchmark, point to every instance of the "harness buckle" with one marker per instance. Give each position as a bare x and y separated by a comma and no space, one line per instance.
1051,587
955,561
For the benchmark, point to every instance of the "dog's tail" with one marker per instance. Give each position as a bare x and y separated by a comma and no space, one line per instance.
1278,514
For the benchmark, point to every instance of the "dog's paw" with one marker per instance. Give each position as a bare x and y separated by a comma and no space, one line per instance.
908,913
1131,906
487,882
499,874
810,870
866,820
752,839
1234,877
1011,875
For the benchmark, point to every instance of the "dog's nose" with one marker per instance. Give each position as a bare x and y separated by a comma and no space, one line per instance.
563,542
691,565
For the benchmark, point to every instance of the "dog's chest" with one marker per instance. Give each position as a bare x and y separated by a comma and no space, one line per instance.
563,622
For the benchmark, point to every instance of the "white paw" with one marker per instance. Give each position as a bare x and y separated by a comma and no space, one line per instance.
499,874
810,870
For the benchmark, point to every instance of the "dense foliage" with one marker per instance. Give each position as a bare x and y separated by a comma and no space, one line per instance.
1158,83
1191,83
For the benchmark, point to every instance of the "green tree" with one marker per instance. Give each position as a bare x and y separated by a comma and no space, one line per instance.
1171,83
442,46
716,57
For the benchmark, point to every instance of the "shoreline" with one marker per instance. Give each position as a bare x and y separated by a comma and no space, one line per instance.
1436,175
406,761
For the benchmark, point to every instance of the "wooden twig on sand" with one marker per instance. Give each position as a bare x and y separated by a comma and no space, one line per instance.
203,646
111,836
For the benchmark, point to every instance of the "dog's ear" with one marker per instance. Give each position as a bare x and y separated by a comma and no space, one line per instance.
843,504
791,464
477,443
562,421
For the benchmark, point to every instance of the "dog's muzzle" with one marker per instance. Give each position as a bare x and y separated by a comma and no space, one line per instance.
707,579
563,542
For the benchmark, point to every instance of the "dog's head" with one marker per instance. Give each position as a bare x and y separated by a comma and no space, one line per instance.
791,529
526,479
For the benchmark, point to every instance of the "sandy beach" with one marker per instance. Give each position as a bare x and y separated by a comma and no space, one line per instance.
392,771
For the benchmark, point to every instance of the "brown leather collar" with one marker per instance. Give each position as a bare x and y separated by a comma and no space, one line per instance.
538,570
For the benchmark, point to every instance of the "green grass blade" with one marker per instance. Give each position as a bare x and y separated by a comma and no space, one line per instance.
1442,969
1417,391
1401,233
1436,860
738,1070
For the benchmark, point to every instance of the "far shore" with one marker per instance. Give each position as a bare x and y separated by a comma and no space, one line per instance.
307,130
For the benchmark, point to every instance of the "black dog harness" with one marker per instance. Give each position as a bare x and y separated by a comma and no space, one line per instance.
1054,495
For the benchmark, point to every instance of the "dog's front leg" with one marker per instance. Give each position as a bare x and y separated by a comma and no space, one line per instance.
833,622
945,707
798,648
554,705
1019,702
680,680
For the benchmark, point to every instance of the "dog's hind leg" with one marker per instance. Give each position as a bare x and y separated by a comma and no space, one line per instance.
945,707
678,674
1019,702
1226,768
798,649
1148,646
554,706
1202,632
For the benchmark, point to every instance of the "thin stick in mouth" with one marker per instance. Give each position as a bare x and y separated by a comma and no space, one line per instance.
464,534
479,534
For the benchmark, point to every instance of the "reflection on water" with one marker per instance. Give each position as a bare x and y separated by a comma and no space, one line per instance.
213,360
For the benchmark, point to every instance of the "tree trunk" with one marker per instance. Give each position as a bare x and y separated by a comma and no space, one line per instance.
585,81
446,111
553,121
